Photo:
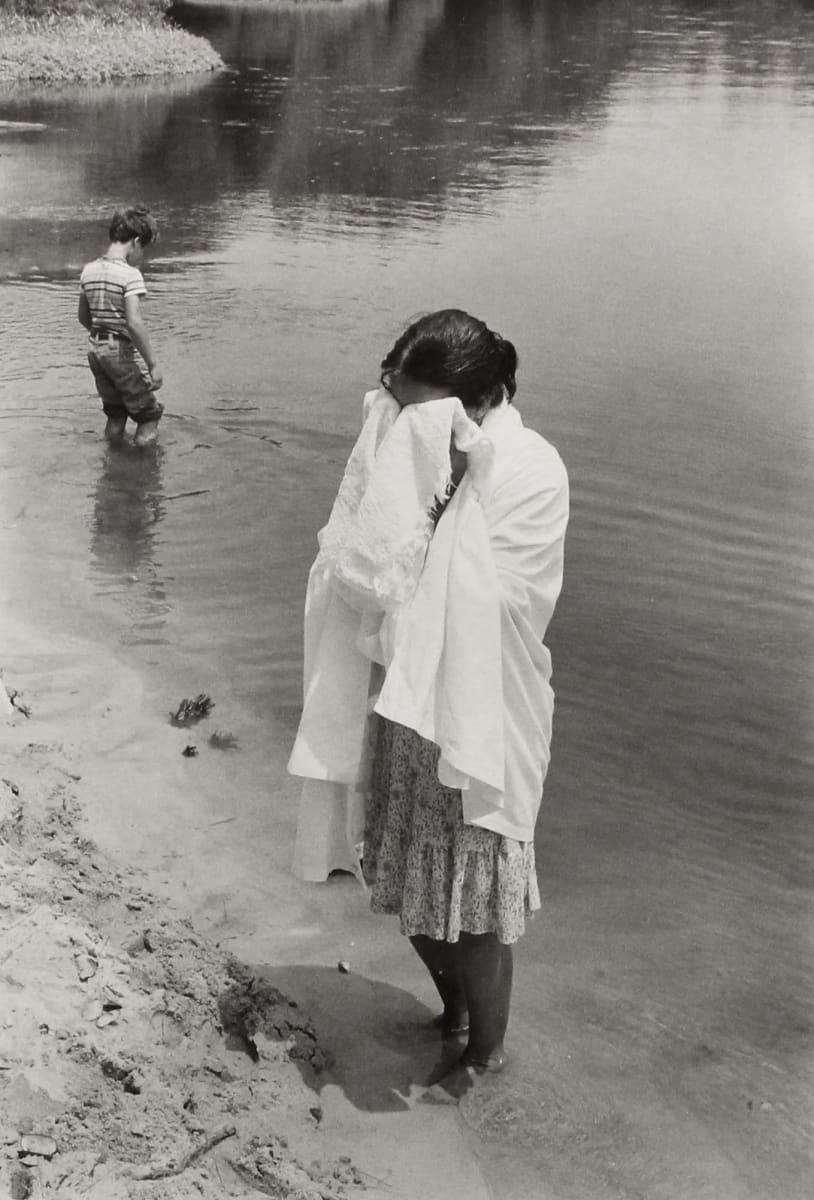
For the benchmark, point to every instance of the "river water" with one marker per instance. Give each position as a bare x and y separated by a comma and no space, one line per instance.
623,188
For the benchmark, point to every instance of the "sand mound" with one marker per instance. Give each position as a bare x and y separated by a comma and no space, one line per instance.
136,1058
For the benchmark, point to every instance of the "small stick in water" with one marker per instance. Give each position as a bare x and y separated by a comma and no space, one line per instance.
183,495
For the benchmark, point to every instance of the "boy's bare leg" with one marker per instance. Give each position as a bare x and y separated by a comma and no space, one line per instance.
146,434
114,429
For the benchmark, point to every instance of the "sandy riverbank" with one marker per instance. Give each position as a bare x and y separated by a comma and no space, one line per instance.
136,1056
142,1054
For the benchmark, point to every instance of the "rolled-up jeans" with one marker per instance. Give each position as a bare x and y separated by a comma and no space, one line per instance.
123,380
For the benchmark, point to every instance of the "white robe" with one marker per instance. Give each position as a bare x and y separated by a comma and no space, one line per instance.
461,660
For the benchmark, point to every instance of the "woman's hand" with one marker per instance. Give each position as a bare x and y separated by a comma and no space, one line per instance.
458,461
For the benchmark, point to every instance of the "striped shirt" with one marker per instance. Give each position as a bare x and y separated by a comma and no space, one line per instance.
106,282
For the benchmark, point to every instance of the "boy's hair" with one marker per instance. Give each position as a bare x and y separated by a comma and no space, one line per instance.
135,222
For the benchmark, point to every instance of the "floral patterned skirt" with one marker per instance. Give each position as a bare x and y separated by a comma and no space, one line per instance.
423,863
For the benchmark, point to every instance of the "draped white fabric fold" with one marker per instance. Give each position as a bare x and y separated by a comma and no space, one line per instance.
447,642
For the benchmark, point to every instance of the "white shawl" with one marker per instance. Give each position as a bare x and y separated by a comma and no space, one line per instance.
452,644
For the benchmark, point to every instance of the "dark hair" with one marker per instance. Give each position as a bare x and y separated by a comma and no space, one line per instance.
450,348
135,222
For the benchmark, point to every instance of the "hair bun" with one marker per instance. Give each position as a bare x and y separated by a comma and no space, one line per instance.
507,356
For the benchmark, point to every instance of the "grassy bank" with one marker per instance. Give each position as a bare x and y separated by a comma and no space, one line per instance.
81,42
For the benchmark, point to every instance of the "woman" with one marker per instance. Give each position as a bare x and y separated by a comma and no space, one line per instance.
428,707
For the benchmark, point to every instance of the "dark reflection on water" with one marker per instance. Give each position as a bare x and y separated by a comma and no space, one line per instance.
409,99
128,505
370,107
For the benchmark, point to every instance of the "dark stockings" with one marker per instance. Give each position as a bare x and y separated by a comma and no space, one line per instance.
486,966
442,961
474,976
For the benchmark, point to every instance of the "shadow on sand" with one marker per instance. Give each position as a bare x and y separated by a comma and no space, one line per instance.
367,1038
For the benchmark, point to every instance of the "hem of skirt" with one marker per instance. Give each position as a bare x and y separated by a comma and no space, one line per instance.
419,929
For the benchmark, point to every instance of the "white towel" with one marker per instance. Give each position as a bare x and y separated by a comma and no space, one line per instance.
458,627
380,525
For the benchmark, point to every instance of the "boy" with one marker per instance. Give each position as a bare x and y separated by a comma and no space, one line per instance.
109,308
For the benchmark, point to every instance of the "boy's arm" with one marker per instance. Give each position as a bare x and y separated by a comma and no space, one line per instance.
83,313
140,338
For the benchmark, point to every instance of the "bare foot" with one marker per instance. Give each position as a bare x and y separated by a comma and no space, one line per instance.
114,428
146,434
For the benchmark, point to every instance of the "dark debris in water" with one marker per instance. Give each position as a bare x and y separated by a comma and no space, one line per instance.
190,711
220,740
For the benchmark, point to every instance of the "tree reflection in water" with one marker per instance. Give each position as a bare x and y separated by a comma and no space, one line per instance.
366,108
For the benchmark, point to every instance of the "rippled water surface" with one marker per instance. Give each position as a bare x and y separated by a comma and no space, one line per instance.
623,189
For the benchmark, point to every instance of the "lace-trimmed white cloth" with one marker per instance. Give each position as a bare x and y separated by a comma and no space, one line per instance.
382,521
